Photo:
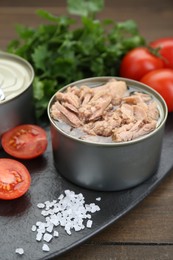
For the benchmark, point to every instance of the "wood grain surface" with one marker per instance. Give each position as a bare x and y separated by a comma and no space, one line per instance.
145,233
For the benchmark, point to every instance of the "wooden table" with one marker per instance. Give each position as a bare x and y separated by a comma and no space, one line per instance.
147,231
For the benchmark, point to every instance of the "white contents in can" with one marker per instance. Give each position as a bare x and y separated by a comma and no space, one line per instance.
2,96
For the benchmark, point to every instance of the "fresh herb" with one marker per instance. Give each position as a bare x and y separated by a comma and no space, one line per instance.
66,49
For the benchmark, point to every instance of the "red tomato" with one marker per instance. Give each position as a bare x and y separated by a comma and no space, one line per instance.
137,62
166,50
162,81
25,141
15,179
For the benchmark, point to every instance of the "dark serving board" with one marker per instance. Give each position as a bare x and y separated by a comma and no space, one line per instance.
18,216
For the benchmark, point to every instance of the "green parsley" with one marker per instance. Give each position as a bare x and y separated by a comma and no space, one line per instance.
66,49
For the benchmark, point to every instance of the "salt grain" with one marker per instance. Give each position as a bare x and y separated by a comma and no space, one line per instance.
39,236
61,197
40,205
19,251
89,223
55,234
38,223
49,228
44,213
47,237
34,228
45,248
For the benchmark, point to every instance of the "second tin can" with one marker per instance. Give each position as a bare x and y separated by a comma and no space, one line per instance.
16,93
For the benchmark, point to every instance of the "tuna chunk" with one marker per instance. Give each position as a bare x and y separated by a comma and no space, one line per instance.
108,111
68,97
85,94
126,112
153,111
98,100
116,89
70,116
70,107
140,113
133,131
101,105
102,128
95,108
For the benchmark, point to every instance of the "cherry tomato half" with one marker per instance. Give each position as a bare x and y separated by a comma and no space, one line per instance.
166,50
25,141
137,62
15,179
162,81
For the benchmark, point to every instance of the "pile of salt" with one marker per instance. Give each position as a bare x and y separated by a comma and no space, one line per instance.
69,211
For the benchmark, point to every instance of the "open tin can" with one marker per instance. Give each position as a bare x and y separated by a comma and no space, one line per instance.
108,166
16,97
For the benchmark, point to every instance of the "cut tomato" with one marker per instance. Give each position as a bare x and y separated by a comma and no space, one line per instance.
15,179
25,141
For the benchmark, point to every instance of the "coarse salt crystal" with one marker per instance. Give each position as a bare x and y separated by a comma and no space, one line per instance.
49,228
19,251
47,237
77,228
61,197
56,233
41,225
44,213
68,231
34,228
45,248
54,221
88,215
39,236
89,223
98,199
93,208
41,230
40,205
38,223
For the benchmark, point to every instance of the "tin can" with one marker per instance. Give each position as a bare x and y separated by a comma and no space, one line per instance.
108,166
16,92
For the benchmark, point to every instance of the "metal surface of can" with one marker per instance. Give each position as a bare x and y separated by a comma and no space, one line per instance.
16,94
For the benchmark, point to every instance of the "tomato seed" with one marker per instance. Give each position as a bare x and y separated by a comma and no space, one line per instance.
10,186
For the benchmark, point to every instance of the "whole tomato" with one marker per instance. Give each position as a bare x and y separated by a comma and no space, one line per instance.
162,81
139,61
166,50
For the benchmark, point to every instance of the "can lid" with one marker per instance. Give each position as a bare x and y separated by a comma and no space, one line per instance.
16,75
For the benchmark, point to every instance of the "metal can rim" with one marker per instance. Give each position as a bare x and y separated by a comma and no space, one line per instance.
156,95
28,65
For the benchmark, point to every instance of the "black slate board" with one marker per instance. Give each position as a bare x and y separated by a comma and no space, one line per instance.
18,216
